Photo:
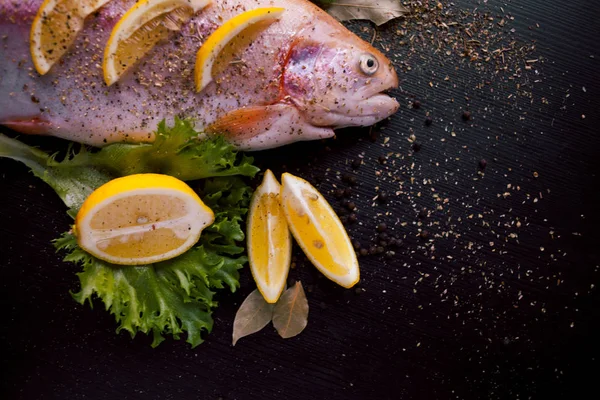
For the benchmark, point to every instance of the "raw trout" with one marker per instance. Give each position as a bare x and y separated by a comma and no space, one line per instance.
298,78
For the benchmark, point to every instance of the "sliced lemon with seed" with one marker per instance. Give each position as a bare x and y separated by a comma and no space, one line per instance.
269,240
55,28
319,231
214,44
141,28
141,219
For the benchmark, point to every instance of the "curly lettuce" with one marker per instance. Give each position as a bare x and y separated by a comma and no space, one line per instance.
173,297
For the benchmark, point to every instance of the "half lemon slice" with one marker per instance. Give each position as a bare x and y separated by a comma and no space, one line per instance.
141,28
55,28
269,240
210,49
319,231
141,219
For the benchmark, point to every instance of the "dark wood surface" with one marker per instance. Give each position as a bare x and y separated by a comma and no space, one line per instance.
499,300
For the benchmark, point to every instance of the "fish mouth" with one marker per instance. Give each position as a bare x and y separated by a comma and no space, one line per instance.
383,106
367,112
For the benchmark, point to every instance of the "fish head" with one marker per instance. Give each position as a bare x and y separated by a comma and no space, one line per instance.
339,81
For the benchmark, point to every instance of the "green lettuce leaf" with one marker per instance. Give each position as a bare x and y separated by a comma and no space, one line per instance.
177,151
73,185
173,296
176,296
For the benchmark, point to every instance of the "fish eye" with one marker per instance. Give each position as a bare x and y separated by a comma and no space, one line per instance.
368,64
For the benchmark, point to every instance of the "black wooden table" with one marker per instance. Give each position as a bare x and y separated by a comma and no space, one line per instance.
492,294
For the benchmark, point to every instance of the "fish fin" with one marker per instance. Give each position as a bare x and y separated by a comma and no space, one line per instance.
31,126
265,127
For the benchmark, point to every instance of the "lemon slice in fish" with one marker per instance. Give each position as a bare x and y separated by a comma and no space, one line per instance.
141,219
141,28
319,231
269,240
210,49
55,28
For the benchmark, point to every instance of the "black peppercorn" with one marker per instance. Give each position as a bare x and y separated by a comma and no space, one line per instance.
382,196
482,164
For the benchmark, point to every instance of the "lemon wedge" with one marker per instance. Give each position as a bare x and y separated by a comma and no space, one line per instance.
55,28
141,219
319,231
269,241
140,28
210,49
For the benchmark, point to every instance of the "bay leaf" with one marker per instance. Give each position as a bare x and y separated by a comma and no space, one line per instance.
290,314
377,11
253,315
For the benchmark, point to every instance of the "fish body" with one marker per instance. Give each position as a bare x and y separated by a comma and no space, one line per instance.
297,78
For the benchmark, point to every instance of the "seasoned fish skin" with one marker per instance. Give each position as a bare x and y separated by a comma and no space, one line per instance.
294,79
